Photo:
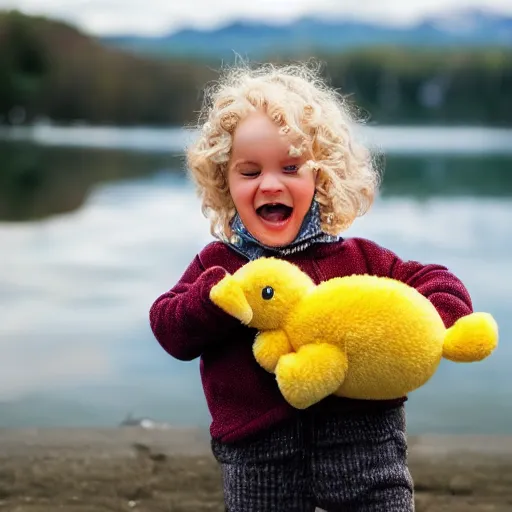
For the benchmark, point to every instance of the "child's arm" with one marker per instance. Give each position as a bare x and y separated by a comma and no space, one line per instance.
184,320
444,290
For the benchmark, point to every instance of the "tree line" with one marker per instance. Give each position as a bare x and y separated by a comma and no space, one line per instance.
51,70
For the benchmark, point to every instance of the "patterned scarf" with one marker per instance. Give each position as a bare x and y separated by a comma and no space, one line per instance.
310,233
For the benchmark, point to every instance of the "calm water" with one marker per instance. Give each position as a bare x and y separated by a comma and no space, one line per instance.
90,236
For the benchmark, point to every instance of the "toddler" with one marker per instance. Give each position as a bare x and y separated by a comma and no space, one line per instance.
280,173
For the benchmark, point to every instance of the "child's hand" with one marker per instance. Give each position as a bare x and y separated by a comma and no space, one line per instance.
184,320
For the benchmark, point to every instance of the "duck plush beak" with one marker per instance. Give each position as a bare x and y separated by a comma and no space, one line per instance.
228,295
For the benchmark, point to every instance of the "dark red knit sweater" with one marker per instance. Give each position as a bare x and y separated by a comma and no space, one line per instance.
244,399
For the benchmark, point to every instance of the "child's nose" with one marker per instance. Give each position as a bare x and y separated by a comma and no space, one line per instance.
270,183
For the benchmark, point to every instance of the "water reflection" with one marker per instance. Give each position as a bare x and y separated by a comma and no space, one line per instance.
444,175
37,181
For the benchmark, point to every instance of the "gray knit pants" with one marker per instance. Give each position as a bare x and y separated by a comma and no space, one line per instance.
353,462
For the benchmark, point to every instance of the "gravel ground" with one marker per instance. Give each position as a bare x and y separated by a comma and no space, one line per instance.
132,469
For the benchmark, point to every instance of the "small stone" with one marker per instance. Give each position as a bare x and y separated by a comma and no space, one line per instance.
132,504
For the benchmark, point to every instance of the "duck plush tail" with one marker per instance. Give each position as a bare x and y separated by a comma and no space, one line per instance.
472,338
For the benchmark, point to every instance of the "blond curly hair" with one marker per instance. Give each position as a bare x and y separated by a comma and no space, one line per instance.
298,100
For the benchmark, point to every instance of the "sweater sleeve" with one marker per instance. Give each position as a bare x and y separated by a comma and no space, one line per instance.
444,290
184,320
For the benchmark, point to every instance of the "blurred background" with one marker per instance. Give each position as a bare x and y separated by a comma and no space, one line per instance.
97,217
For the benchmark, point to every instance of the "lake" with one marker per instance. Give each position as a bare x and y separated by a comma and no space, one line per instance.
96,223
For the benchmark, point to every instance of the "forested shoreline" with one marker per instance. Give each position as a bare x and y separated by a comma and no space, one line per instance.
50,70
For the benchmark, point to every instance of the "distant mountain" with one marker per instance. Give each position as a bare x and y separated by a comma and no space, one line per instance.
466,28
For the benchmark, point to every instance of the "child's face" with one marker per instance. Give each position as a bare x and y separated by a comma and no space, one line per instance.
270,194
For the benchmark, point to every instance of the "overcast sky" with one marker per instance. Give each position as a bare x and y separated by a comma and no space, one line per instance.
160,16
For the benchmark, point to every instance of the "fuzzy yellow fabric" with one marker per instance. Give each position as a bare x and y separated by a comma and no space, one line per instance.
359,336
228,295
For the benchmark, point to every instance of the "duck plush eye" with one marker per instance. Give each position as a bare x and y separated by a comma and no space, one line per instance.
267,293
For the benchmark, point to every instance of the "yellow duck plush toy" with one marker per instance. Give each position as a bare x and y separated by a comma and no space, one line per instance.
358,336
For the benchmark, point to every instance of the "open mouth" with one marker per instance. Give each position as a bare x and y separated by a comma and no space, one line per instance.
274,212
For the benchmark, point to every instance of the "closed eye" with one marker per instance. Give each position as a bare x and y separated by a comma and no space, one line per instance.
291,168
250,174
